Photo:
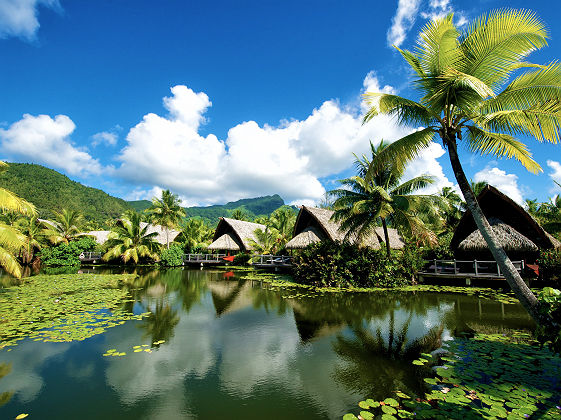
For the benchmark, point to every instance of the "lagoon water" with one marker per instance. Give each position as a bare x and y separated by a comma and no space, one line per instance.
236,349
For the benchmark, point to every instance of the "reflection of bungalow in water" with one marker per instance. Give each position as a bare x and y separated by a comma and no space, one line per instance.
234,235
517,232
101,236
315,225
229,296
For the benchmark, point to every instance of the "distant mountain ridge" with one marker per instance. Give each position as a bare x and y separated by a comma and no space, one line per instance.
52,191
255,206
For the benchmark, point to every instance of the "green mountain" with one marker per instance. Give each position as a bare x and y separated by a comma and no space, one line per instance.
255,206
51,191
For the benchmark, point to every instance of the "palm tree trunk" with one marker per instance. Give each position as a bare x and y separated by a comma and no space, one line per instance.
386,237
520,289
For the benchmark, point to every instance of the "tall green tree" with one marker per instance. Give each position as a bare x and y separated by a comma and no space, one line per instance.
468,95
11,240
66,226
166,211
128,240
195,233
362,204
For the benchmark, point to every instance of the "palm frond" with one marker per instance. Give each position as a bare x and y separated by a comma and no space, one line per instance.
492,45
413,61
500,145
408,112
437,48
9,263
403,150
409,187
12,203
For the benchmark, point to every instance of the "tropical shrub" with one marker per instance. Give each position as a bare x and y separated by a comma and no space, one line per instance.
65,255
242,259
550,305
335,264
172,257
550,265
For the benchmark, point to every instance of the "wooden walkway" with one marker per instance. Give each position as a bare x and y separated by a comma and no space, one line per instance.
90,257
204,259
469,270
272,261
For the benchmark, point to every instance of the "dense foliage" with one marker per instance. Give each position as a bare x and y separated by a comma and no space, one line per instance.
550,300
51,191
63,254
550,265
172,256
242,259
334,264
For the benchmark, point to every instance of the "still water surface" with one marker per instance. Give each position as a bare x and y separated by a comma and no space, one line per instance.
234,349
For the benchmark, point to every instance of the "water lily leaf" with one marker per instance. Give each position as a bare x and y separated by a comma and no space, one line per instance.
21,416
366,415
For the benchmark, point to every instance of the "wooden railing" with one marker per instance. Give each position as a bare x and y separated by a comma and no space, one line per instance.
467,267
202,258
89,256
272,260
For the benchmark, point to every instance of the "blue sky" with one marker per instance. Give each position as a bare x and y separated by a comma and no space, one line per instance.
224,100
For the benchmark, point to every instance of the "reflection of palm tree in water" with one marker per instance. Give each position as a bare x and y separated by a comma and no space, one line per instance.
375,367
5,397
161,323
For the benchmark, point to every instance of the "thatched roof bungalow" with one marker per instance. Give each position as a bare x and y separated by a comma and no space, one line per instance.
234,235
101,236
516,230
315,225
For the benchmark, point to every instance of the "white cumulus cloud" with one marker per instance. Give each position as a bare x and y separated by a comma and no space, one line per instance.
289,158
106,137
18,18
403,21
45,140
556,174
507,183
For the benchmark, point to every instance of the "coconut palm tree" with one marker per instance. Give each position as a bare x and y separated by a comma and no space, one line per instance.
11,240
240,213
467,96
166,211
33,234
363,203
195,233
129,241
66,226
267,242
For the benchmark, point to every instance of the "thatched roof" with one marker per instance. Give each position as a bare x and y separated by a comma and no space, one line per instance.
308,236
226,242
496,205
100,236
508,237
316,223
161,231
240,232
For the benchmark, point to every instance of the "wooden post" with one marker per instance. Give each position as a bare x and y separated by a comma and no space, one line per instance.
454,266
498,270
435,270
475,265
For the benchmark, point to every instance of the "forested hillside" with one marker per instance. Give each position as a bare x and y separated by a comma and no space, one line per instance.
51,191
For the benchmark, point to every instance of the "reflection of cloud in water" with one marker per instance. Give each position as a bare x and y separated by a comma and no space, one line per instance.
138,376
28,359
79,371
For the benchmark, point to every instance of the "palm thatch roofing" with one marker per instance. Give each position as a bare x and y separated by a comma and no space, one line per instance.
100,236
508,237
239,231
161,233
314,224
225,242
511,222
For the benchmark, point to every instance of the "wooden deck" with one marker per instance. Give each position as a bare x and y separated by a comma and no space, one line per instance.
90,257
272,261
204,259
469,270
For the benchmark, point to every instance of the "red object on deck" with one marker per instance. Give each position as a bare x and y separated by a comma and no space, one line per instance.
228,258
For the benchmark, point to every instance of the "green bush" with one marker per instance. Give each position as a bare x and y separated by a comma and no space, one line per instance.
550,300
550,265
242,259
66,255
334,264
172,257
